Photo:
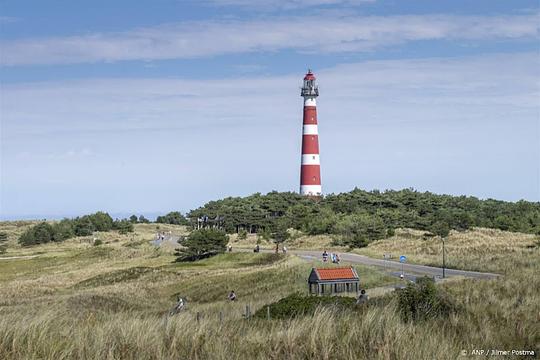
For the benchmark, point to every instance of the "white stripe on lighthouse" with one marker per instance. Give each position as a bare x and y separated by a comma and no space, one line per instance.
310,130
311,159
310,189
310,101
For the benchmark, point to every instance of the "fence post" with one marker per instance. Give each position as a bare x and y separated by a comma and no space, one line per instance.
198,317
221,317
268,312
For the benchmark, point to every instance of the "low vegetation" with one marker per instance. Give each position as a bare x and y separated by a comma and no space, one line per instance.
201,244
70,299
174,218
86,225
423,300
297,305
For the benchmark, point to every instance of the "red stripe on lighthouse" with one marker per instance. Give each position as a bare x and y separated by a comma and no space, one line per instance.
310,169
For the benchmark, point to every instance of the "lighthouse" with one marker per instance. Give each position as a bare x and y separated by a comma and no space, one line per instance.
310,169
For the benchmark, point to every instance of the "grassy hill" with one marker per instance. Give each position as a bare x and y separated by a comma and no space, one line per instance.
74,300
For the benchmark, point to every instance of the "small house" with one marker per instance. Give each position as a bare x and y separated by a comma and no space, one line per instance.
328,281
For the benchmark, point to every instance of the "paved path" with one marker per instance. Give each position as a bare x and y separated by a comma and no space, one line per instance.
18,257
394,265
171,240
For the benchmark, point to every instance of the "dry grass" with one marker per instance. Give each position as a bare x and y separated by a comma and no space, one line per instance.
77,301
478,249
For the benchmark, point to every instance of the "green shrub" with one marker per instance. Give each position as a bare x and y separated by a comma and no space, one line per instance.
63,230
358,230
423,300
98,242
101,221
174,218
3,236
123,226
83,226
299,305
3,249
201,244
38,234
143,220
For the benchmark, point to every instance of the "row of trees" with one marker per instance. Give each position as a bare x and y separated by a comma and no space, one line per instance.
67,228
174,218
358,217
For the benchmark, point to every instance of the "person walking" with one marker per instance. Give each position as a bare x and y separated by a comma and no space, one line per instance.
362,298
324,256
232,296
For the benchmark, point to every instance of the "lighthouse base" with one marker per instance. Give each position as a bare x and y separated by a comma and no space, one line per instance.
310,190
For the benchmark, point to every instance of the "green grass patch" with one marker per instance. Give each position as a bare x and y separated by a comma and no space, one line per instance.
297,304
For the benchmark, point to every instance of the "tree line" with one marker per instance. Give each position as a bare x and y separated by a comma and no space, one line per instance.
86,225
358,217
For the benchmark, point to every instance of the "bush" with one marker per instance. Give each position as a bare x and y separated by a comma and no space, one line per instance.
174,218
423,301
83,226
201,244
123,226
358,230
298,305
3,249
98,242
63,230
101,221
38,234
143,220
3,236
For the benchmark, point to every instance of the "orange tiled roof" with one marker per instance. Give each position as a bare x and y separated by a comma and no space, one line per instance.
336,273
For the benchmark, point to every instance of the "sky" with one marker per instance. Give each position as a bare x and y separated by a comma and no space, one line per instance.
151,106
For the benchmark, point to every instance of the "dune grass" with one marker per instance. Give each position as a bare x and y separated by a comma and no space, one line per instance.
78,301
478,249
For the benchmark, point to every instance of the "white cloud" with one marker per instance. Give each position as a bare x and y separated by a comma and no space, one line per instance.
466,125
305,34
287,4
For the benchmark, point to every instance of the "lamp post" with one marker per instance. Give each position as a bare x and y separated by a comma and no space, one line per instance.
442,229
443,259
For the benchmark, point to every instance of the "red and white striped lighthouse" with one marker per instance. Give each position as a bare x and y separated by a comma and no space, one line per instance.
310,171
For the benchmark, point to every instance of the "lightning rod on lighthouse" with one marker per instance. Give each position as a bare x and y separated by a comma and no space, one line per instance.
310,170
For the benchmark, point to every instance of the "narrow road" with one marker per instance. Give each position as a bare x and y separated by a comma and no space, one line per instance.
393,265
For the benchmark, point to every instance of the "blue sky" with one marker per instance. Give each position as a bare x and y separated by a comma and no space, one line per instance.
152,106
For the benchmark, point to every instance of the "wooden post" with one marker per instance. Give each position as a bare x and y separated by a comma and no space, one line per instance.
198,317
220,317
268,312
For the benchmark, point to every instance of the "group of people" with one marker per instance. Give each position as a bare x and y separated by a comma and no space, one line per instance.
283,249
333,257
162,234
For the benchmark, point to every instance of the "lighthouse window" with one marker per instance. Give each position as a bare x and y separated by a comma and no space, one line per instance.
313,157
